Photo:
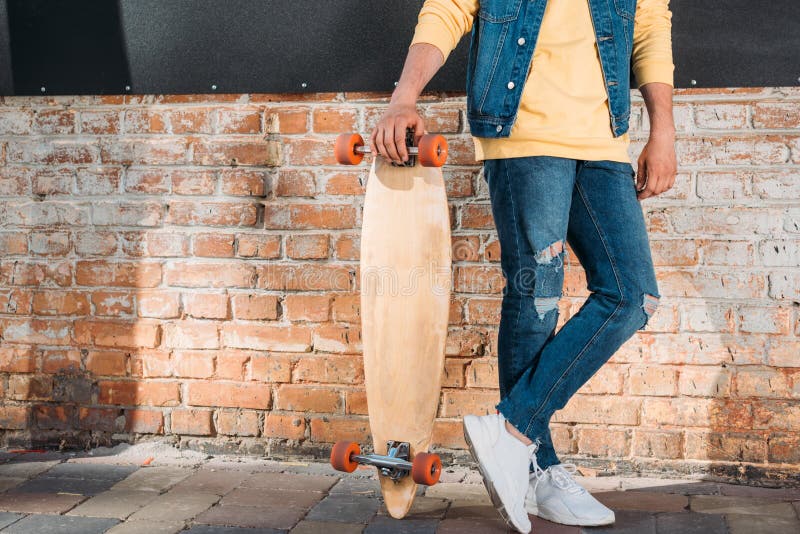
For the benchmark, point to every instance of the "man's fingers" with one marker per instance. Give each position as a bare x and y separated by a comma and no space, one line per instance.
400,139
389,143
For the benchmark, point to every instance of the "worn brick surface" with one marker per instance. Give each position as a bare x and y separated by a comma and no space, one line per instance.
168,260
58,524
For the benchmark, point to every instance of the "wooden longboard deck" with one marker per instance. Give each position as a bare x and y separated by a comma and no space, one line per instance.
405,301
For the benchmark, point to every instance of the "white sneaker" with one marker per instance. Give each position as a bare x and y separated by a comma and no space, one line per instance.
554,495
503,461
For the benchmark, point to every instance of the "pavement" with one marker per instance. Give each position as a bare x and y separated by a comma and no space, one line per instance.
156,488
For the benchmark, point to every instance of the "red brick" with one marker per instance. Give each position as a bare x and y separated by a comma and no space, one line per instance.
190,334
193,182
295,183
159,304
285,426
298,307
60,303
283,216
256,396
307,246
17,360
191,422
193,364
243,182
192,120
286,120
144,421
131,274
238,423
61,361
263,337
106,363
329,369
238,121
255,307
332,429
335,120
206,305
14,417
113,303
150,364
135,393
258,246
220,151
271,368
209,275
117,334
212,214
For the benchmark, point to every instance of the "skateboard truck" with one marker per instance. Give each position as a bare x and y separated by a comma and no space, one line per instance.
431,151
395,464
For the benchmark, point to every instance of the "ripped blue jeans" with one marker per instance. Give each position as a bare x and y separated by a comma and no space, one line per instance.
538,202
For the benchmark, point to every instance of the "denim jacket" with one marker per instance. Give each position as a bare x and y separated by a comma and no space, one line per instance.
503,38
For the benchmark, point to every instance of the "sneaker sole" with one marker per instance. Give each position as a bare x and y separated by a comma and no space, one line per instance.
534,510
487,481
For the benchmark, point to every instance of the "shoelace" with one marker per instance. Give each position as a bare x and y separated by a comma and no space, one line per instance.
561,475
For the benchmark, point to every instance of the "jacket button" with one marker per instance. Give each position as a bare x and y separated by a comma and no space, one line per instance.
499,128
521,41
510,85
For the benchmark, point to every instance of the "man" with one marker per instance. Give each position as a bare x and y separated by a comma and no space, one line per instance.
548,105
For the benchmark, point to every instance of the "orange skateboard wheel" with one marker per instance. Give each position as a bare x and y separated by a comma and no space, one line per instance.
341,454
426,468
345,149
432,150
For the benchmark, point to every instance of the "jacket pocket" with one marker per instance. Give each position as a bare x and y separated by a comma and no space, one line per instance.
626,8
499,10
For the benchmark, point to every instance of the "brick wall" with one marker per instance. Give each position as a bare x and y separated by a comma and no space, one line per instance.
188,265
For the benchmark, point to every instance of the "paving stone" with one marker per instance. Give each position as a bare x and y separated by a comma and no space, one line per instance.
542,526
115,503
717,504
148,527
383,524
99,471
344,508
79,486
642,500
212,529
282,518
357,486
761,524
690,523
212,481
594,484
423,508
153,478
25,469
176,506
468,526
6,518
666,484
7,483
687,488
796,505
627,522
462,492
38,503
453,476
778,494
60,524
268,498
319,527
289,481
467,510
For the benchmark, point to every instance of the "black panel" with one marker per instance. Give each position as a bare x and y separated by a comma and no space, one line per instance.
241,46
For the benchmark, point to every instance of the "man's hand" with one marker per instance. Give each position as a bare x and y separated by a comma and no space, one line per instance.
657,162
657,165
389,137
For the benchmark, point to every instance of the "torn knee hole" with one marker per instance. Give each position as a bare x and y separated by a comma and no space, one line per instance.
546,255
649,305
544,305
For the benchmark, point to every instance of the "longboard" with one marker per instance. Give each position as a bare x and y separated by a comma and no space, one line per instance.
405,281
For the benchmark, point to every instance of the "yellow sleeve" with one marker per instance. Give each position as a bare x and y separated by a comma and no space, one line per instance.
443,23
652,43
